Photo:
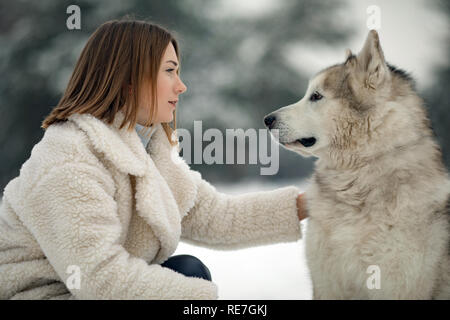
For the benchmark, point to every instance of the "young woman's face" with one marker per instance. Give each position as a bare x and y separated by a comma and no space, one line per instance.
169,87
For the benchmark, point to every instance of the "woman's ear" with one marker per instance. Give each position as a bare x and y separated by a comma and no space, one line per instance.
371,62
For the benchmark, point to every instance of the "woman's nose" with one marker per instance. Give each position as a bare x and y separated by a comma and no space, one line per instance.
181,88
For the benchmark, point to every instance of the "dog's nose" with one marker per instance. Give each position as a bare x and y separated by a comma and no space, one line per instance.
269,121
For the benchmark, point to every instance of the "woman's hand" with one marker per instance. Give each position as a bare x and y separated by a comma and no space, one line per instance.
302,214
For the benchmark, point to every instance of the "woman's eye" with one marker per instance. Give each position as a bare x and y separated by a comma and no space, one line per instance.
170,70
315,96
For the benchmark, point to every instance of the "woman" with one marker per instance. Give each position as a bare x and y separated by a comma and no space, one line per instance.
96,213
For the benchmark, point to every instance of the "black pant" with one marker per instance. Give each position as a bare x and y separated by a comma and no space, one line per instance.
188,265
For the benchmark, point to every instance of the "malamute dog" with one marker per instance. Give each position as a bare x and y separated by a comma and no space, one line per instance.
379,199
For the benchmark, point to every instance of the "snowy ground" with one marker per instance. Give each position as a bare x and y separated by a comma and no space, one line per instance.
274,272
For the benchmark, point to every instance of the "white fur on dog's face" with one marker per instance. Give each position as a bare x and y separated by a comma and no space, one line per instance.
304,119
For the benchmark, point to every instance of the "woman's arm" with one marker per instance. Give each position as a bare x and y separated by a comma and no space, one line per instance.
73,216
230,221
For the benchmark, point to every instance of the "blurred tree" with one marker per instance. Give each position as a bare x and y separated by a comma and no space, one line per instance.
437,97
235,66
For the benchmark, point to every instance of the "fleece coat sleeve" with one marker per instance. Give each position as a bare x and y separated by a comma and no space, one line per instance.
237,221
72,214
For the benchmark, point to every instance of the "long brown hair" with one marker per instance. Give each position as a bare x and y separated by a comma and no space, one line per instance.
119,54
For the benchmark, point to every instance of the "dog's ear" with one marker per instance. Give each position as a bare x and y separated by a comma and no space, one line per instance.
348,54
349,58
371,62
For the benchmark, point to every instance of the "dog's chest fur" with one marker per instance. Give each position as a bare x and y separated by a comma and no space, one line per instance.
339,240
357,220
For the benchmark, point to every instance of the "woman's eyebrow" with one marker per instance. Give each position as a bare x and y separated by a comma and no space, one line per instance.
175,64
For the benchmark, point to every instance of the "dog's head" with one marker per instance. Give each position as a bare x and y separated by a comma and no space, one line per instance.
344,105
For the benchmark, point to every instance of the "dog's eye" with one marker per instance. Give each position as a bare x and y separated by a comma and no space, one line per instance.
315,96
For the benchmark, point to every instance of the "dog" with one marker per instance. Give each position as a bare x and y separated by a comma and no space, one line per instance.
379,198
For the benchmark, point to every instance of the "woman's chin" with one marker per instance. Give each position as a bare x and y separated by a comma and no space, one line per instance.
169,120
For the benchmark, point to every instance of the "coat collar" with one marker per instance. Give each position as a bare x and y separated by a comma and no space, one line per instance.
122,147
166,188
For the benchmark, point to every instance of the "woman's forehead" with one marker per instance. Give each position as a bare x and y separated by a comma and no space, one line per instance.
170,53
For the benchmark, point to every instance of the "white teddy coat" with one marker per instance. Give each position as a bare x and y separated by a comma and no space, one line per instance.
90,201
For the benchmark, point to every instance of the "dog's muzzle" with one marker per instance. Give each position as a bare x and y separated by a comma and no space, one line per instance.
270,121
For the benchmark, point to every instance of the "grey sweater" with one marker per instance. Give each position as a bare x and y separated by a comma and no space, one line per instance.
144,133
